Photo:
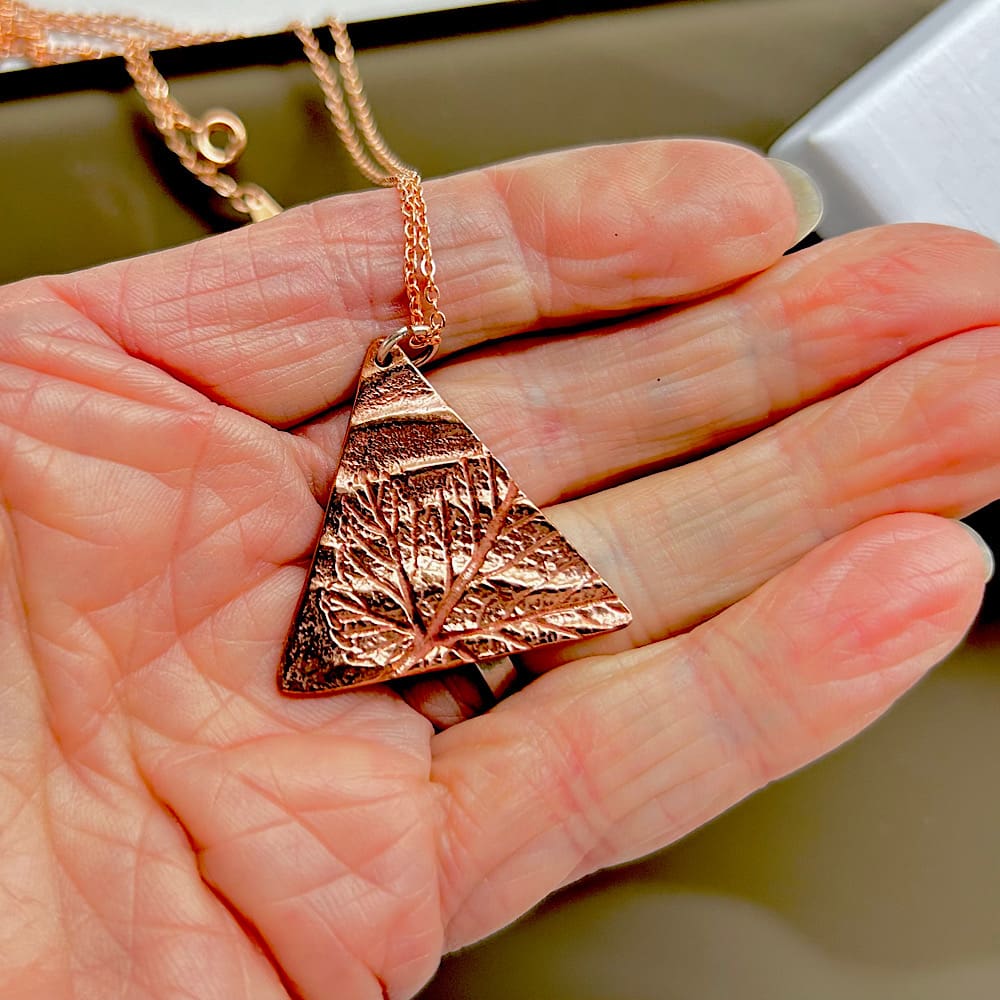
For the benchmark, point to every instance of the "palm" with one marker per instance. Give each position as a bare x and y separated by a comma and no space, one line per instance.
173,826
184,566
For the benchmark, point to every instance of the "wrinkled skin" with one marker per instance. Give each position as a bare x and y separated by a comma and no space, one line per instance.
766,473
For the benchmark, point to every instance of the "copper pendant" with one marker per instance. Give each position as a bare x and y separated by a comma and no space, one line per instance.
430,555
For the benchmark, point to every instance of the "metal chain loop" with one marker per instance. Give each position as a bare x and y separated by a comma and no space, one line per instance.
190,139
345,99
45,38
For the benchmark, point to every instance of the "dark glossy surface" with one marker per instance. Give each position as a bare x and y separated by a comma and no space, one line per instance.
93,181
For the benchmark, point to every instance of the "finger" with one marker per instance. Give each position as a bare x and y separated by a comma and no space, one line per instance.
680,545
273,319
322,836
613,757
666,386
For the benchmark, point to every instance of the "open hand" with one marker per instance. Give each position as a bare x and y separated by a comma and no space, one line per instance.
765,474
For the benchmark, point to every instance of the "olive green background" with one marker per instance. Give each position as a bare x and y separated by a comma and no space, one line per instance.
873,874
85,177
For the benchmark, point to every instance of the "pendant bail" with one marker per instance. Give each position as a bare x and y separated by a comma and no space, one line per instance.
401,339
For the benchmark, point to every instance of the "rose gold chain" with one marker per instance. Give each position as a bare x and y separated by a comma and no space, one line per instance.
345,99
192,140
44,38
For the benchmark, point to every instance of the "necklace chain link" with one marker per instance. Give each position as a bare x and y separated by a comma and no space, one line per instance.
351,114
45,38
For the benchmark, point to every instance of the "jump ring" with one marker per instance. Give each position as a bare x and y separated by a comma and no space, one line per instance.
398,338
215,121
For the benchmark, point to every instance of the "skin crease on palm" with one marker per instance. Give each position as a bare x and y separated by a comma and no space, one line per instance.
763,455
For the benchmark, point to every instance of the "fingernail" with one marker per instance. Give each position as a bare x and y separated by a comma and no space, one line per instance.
988,559
806,195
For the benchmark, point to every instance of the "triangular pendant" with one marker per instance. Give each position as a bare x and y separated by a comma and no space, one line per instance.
430,556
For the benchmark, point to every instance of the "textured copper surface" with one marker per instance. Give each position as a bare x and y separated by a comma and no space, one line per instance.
430,554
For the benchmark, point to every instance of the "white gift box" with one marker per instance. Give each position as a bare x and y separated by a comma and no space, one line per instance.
915,135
